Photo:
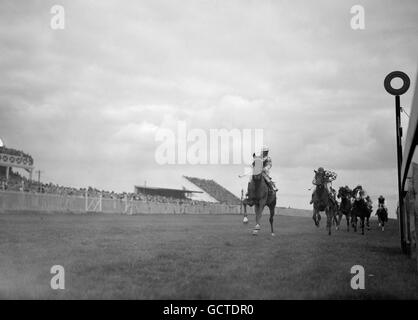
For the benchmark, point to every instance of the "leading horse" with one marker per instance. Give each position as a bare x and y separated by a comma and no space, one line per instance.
260,195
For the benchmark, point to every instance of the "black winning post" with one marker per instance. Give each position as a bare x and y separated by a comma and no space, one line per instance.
397,93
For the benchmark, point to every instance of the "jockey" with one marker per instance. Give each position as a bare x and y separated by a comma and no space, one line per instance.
381,202
322,177
267,164
369,203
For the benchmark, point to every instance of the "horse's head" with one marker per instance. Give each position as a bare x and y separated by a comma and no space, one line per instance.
344,193
358,194
257,168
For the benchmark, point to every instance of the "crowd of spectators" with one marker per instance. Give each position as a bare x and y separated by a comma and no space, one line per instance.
18,153
17,182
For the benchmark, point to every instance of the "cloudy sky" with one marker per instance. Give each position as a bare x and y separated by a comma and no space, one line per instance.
86,101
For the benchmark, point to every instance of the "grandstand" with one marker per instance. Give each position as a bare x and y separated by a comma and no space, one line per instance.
12,158
215,190
198,191
163,194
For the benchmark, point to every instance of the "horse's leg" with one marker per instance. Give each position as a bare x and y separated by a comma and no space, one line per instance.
314,217
362,224
347,217
271,218
257,226
244,203
340,216
354,222
329,212
258,209
337,217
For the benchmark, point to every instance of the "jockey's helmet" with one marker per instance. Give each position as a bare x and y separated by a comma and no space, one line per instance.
320,169
265,149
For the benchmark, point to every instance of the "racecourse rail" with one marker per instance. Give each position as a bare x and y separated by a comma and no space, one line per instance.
11,201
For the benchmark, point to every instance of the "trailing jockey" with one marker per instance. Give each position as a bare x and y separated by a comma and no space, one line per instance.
369,203
382,212
381,203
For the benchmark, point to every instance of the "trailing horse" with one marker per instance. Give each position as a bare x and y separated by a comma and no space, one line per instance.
382,215
333,207
344,193
359,209
260,195
369,212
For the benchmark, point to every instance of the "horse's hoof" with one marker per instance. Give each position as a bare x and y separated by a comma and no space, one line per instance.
257,227
245,220
272,234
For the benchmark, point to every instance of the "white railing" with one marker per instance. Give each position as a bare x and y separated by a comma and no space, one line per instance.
43,202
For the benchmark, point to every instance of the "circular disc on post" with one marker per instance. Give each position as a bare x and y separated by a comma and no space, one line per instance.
401,90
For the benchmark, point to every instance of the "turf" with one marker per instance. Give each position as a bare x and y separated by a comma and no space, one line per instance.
196,257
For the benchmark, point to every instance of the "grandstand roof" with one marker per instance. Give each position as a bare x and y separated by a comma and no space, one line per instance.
166,189
165,192
10,157
215,190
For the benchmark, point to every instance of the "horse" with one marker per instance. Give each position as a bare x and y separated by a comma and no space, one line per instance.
333,207
369,212
322,203
382,215
344,193
359,209
260,195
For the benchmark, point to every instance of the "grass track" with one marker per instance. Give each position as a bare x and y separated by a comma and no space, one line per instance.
196,257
